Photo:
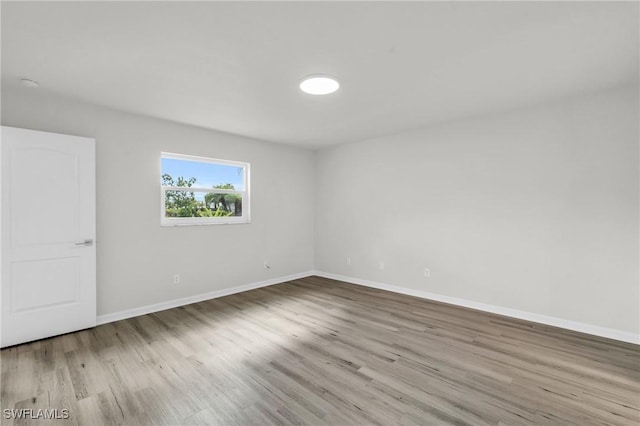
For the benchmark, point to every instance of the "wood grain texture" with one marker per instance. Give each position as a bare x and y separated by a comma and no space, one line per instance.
320,352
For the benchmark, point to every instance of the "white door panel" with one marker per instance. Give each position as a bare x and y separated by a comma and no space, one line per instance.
39,284
30,168
48,211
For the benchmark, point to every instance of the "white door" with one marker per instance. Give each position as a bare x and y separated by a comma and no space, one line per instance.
48,253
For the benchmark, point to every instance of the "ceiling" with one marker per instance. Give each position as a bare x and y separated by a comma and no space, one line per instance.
235,66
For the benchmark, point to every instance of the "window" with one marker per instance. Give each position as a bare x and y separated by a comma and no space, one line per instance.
203,191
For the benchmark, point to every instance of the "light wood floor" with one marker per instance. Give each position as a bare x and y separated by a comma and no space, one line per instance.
317,351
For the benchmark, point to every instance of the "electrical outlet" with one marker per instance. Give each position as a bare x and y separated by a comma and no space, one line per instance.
348,261
176,279
381,266
427,272
266,265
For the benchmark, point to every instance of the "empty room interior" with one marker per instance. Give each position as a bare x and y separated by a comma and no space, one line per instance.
320,213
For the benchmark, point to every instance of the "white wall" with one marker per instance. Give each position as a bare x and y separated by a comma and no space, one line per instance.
136,256
534,210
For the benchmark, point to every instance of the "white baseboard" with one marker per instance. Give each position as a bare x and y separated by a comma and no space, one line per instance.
500,310
514,313
148,309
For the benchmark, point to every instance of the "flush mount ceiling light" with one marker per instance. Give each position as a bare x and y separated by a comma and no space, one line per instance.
29,83
319,84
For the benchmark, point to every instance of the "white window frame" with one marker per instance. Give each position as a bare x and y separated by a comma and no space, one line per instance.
188,221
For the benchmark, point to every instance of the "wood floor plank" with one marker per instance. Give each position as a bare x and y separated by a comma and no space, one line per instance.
316,351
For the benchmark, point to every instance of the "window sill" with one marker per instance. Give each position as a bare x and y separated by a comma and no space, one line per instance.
203,223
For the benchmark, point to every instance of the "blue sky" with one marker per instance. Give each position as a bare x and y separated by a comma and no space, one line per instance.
207,175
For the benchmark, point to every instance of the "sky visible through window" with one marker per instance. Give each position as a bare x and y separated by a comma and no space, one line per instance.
207,174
